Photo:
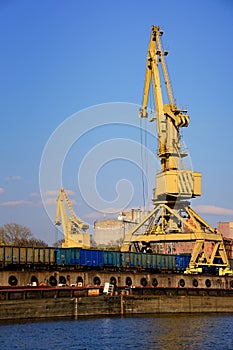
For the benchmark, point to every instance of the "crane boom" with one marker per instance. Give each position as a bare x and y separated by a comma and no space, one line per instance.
169,120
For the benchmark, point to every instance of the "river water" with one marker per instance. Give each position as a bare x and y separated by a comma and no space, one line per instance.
169,332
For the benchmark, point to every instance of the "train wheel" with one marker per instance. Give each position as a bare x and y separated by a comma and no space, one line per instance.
143,282
13,281
195,282
80,281
182,282
62,280
128,281
97,281
113,281
52,281
34,280
154,282
208,283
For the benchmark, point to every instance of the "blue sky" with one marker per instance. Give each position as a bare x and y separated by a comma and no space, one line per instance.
60,57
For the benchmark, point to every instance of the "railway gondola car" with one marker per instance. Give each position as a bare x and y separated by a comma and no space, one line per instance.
13,257
92,258
67,256
26,257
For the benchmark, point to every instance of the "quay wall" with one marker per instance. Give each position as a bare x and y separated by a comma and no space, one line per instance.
71,302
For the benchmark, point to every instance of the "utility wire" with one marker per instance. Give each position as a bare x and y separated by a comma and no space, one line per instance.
142,168
144,161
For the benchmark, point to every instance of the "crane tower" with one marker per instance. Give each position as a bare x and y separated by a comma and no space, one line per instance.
172,219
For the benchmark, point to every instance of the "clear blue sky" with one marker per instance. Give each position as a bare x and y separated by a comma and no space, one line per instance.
59,57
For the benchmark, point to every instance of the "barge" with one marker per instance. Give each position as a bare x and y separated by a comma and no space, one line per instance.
164,293
75,302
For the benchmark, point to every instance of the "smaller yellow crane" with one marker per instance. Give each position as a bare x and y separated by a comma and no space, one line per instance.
74,228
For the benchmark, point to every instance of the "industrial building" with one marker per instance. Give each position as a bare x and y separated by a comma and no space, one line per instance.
111,232
226,229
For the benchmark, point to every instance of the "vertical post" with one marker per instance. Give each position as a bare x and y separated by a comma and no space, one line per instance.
75,308
122,305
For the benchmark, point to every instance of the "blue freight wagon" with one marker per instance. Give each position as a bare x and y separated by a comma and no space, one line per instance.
67,256
92,258
112,258
182,261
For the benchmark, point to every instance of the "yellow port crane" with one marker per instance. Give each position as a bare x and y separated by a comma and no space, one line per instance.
74,228
172,219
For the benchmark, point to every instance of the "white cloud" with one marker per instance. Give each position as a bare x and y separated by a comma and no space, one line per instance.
50,201
110,213
53,200
212,209
34,194
16,203
56,192
94,215
1,190
70,192
51,193
13,178
51,197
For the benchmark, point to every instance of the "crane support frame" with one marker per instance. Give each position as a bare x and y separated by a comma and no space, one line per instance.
161,226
